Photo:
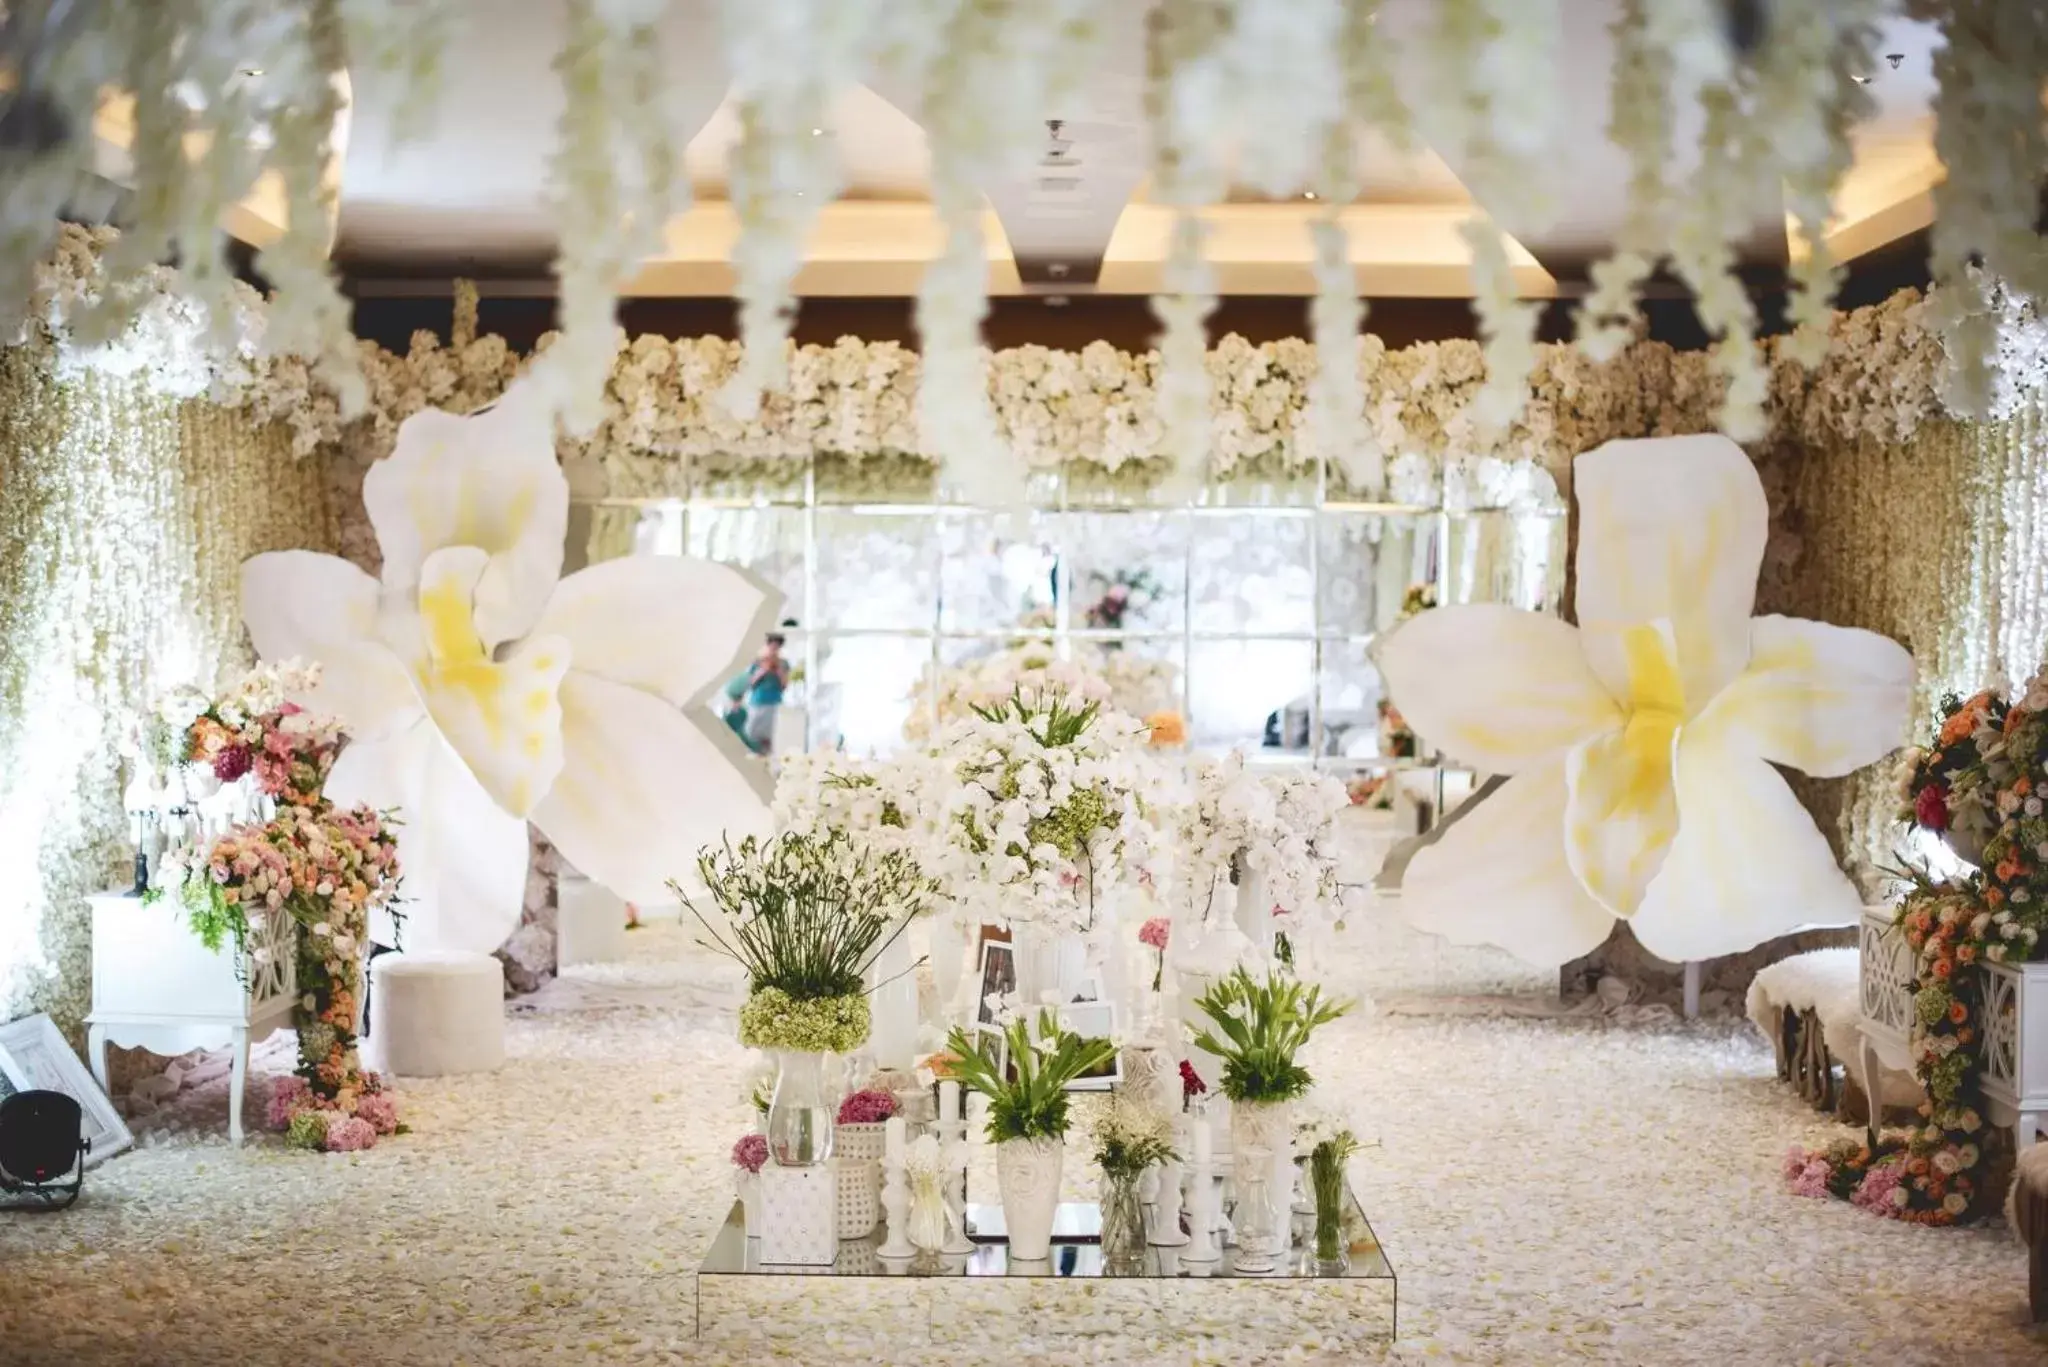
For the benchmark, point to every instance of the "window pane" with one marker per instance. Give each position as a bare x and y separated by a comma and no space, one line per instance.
1243,693
1251,573
864,688
1352,692
1368,563
767,541
876,570
1517,559
1124,571
996,572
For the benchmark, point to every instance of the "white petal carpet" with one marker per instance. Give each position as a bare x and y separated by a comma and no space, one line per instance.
1568,1191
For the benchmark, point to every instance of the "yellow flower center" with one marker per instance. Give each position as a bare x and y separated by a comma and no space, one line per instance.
1656,709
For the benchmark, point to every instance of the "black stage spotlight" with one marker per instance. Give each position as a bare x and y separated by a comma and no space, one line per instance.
42,1150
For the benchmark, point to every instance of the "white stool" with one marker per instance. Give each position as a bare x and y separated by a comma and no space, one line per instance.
435,1013
590,923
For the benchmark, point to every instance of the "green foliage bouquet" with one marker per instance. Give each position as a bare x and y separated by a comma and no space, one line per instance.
806,916
1263,1024
1028,1098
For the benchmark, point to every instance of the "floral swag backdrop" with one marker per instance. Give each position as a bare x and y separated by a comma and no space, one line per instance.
1888,512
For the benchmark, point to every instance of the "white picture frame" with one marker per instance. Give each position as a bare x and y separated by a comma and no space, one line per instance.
1087,989
1094,1020
35,1057
998,973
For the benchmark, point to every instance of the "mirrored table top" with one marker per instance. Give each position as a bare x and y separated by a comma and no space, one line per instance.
1076,1252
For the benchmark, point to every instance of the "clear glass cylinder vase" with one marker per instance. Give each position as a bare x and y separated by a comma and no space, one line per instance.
1326,1181
1123,1225
802,1113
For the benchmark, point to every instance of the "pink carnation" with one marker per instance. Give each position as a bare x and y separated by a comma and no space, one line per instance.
288,1096
866,1108
1155,932
1795,1162
751,1152
349,1134
380,1110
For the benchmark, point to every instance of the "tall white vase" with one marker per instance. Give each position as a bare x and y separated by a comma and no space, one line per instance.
893,1036
1028,1176
947,949
1049,963
1255,908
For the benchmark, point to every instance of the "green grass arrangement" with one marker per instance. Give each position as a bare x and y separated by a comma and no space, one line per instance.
1263,1024
807,915
1033,1103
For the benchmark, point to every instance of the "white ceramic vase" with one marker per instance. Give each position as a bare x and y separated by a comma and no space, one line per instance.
1028,1176
893,1036
1268,1128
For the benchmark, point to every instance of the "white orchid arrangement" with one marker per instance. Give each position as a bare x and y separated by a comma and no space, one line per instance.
1039,811
1640,744
484,690
1280,824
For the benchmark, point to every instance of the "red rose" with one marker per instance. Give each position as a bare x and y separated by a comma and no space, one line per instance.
1930,808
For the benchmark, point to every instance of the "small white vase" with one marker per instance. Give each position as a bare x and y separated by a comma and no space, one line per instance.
1028,1175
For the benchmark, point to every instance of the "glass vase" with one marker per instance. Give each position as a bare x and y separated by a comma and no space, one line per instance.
1123,1226
1326,1177
801,1115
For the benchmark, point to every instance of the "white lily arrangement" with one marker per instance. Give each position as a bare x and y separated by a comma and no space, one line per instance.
1117,679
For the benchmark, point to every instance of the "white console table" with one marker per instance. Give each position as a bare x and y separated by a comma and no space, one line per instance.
2015,1027
155,987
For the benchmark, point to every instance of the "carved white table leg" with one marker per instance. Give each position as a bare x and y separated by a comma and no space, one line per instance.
96,1057
1873,1087
238,1079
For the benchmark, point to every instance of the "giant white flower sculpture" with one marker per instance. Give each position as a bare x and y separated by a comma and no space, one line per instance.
481,692
1640,742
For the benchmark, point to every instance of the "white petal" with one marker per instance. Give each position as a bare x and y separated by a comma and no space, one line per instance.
675,626
321,609
644,786
1821,698
1747,865
1495,687
462,860
1620,816
1671,528
503,717
1498,876
489,479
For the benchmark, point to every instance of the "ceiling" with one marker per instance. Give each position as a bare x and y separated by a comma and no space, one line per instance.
469,197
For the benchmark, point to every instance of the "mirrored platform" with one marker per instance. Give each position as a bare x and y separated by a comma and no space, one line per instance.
985,1296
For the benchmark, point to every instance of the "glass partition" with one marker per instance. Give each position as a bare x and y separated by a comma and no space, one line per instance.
1252,613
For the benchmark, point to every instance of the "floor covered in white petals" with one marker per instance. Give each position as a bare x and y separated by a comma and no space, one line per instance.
1548,1190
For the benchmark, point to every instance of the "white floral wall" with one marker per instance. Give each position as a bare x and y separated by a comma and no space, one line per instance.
125,515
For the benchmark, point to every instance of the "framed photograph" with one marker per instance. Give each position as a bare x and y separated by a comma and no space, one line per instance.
1094,1020
997,1045
1088,989
998,977
34,1057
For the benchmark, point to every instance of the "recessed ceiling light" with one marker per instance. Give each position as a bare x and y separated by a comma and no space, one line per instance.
252,71
1308,194
817,132
1861,80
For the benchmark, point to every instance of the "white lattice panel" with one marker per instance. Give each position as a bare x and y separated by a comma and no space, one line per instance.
2001,1030
1885,976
